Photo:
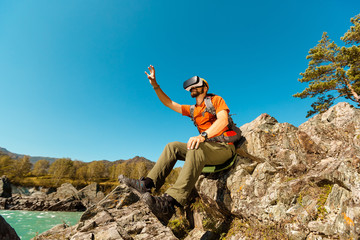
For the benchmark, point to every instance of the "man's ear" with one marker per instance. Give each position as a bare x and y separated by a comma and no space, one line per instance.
206,89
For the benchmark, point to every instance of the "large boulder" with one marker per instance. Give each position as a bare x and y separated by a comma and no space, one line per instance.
337,131
6,231
120,215
5,187
91,194
65,191
292,182
64,198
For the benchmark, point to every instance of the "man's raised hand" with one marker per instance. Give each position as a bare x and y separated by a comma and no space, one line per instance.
151,76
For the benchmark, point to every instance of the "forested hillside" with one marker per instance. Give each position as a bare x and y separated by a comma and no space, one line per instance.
21,171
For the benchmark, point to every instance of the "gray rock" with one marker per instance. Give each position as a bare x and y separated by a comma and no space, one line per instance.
65,191
64,198
337,131
120,215
90,195
69,204
5,187
201,234
305,181
6,231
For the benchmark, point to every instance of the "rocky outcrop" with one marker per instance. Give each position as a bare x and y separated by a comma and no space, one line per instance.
90,195
65,198
5,187
120,215
6,231
300,183
288,183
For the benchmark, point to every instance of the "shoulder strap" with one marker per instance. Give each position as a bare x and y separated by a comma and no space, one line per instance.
232,126
192,108
209,105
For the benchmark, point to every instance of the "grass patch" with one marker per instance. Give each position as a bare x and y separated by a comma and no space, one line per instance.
318,193
254,230
48,181
179,226
321,210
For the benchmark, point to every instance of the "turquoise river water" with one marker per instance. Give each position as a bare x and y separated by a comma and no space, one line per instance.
29,223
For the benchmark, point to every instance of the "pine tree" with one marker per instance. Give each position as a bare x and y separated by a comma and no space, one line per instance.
333,72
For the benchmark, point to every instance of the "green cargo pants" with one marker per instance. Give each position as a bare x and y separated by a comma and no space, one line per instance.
208,153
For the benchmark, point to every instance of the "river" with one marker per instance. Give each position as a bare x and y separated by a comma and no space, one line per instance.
28,224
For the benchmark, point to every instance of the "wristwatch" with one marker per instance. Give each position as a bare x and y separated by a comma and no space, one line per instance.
204,135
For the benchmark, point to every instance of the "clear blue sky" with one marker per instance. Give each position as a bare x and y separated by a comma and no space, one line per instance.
72,72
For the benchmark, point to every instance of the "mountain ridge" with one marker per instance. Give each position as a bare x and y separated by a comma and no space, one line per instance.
34,159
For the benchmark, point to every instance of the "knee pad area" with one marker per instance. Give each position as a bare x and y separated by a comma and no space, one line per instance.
175,146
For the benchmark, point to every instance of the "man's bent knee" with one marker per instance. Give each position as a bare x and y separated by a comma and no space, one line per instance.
175,145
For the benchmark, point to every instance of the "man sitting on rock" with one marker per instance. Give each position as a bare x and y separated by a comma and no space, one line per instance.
213,146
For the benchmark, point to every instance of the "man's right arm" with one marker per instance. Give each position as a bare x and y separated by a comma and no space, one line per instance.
161,95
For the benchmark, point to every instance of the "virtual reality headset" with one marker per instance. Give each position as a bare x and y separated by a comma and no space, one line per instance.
194,82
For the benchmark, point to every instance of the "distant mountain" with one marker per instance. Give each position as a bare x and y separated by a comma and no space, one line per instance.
4,151
137,159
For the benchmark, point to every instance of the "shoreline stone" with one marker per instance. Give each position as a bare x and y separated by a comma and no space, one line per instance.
6,231
64,198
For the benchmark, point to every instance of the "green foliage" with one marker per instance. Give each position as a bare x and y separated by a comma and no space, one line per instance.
15,168
254,229
7,166
353,34
61,168
333,71
82,173
212,221
95,171
23,166
289,179
198,205
133,170
321,210
318,193
41,167
299,200
179,226
76,172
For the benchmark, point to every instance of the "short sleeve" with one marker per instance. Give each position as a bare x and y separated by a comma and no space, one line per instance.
185,110
219,104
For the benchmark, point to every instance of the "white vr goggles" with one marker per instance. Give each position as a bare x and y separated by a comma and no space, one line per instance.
193,83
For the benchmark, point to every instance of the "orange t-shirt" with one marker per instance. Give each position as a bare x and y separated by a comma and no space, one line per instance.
204,122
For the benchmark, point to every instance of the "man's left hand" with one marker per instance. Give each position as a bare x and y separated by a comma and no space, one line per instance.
194,142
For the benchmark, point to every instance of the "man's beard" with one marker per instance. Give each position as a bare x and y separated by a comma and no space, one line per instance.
196,93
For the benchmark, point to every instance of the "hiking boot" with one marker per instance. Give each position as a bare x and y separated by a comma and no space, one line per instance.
163,207
142,185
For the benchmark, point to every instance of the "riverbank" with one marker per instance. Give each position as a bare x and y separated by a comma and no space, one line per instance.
28,224
64,198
